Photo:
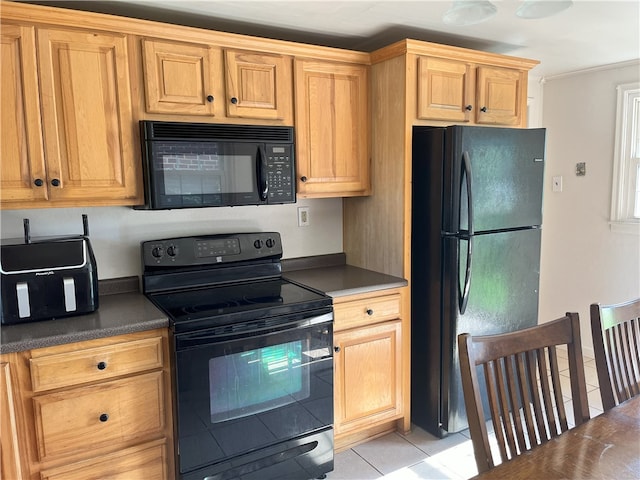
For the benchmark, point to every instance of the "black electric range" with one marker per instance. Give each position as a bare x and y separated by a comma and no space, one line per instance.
253,357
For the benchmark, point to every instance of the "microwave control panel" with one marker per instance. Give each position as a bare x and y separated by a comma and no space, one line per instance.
280,173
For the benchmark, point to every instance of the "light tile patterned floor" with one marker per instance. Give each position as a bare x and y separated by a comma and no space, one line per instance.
420,455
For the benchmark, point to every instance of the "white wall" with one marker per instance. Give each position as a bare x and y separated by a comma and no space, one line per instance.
583,261
116,232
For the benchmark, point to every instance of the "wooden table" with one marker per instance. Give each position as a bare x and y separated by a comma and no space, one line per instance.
605,447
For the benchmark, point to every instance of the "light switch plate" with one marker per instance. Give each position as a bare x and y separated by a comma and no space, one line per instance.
303,216
557,183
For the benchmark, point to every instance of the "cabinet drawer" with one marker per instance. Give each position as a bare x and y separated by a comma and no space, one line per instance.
366,311
148,462
107,414
94,364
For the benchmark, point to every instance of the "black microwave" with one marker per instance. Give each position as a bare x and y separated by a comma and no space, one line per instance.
190,165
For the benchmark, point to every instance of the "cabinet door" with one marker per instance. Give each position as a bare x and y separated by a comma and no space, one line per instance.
178,77
87,119
500,95
258,85
368,376
11,457
22,171
332,140
445,90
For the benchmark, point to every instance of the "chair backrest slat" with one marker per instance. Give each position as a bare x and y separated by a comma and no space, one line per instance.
630,345
523,386
536,372
615,331
634,360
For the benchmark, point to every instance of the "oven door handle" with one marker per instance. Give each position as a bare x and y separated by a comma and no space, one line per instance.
195,339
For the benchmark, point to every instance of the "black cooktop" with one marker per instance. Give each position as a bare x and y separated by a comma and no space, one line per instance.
222,305
215,281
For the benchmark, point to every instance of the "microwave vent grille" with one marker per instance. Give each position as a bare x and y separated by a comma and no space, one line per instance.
215,132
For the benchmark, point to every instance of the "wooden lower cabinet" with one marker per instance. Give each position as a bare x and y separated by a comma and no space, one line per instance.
367,373
368,367
11,442
89,410
146,462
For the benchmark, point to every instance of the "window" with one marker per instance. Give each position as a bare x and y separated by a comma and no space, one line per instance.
625,201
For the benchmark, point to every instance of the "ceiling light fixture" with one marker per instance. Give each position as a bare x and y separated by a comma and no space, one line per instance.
540,9
470,12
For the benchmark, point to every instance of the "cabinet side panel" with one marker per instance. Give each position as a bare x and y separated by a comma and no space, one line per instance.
373,226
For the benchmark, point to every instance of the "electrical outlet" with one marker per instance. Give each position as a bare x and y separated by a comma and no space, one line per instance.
557,183
303,216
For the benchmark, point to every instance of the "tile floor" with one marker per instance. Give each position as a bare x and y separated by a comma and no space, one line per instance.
420,455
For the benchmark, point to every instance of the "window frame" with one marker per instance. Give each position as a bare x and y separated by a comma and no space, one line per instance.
623,196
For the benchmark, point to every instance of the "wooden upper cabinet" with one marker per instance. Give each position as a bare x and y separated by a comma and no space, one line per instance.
445,90
71,142
185,79
258,85
332,128
179,77
87,118
463,92
500,95
22,171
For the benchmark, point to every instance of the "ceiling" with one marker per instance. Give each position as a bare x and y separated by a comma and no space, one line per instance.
589,34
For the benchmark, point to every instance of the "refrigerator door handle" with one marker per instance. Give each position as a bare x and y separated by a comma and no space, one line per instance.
463,297
466,174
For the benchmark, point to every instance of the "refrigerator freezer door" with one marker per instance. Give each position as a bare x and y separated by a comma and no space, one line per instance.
507,168
502,297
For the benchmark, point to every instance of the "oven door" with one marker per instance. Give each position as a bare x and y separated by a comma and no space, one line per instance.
243,393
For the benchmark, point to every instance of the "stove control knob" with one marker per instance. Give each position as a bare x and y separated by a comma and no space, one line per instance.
257,243
270,242
172,250
157,252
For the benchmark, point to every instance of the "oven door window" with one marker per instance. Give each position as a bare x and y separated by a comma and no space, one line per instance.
239,395
195,174
254,381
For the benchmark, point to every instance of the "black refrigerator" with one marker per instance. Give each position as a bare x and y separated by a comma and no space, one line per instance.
475,255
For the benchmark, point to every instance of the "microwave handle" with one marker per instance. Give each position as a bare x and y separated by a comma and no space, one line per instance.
261,163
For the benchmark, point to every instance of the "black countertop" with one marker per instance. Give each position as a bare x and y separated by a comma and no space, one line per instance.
342,280
124,310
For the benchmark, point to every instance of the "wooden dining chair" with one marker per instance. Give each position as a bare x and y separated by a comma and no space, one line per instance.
521,388
615,330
